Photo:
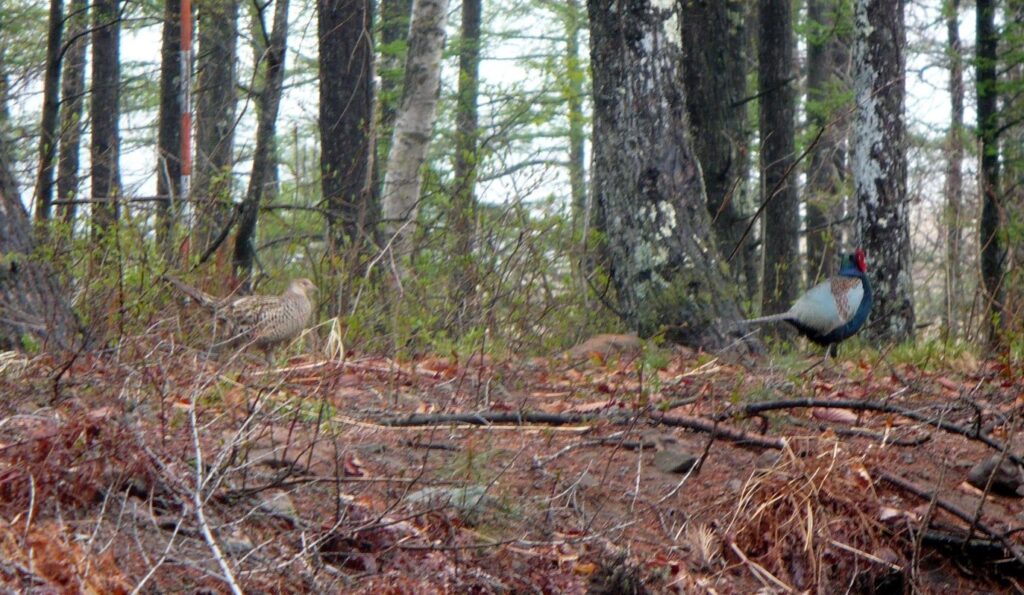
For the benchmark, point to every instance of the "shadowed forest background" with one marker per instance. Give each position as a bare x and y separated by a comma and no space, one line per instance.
543,218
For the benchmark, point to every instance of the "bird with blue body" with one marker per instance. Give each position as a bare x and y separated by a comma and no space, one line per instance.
835,309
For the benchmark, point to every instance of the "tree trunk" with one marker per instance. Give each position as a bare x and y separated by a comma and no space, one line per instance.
462,217
394,28
346,134
104,111
264,157
575,76
215,117
778,182
954,172
826,170
51,106
880,165
647,183
168,167
414,123
32,306
715,67
72,101
993,249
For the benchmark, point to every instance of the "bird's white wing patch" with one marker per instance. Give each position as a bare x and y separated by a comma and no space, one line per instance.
817,308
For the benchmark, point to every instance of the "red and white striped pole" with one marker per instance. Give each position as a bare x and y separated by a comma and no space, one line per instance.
186,98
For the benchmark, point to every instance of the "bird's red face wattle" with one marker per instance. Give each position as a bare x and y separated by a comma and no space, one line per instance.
861,261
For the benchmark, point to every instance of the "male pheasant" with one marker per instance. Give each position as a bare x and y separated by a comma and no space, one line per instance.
835,309
263,321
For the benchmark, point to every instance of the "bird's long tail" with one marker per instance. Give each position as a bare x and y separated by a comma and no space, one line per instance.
771,318
202,297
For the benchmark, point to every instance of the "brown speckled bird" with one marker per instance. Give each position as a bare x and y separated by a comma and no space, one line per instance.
263,321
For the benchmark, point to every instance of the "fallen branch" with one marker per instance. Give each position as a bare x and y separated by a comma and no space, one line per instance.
931,496
487,418
754,409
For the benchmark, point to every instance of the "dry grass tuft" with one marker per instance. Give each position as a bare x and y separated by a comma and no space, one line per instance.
805,523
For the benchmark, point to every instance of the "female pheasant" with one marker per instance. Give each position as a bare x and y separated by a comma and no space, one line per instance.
835,309
263,321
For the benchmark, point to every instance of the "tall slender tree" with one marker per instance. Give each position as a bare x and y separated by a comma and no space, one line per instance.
827,83
776,87
216,79
48,134
462,215
646,179
394,29
414,122
715,41
993,249
72,101
880,164
168,162
104,111
346,139
954,171
268,101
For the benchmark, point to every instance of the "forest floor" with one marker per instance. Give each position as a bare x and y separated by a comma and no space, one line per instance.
610,469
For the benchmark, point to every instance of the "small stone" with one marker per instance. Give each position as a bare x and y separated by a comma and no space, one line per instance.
469,502
277,503
673,461
1006,476
768,459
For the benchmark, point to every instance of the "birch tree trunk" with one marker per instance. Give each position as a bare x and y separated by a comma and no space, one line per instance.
880,165
414,122
647,181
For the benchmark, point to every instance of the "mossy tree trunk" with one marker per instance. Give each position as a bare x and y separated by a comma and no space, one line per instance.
647,182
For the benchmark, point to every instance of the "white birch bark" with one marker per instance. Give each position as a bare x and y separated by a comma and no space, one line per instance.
414,122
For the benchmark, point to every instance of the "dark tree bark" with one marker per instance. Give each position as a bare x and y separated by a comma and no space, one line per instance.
51,106
993,249
72,101
264,158
346,121
715,66
462,216
954,172
646,179
880,165
776,85
826,63
215,117
31,301
394,29
168,167
104,111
